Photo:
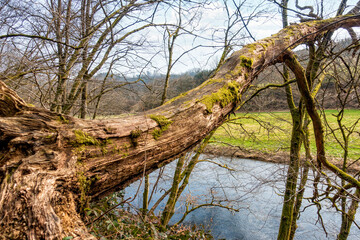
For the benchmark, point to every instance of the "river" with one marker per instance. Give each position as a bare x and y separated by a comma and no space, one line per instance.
255,188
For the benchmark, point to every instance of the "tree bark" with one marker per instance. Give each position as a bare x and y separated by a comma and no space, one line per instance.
52,165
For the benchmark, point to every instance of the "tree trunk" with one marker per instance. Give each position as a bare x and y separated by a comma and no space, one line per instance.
286,220
52,165
348,217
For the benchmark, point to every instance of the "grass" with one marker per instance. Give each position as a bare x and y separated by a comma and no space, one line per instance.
271,132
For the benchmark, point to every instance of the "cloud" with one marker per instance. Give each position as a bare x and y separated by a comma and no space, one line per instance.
264,27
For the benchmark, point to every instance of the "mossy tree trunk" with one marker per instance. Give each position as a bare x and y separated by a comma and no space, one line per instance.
169,208
344,139
291,197
287,215
181,175
304,176
52,165
318,126
348,217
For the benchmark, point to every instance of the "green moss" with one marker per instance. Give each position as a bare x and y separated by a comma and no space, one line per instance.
50,138
134,135
68,238
204,84
224,96
229,76
290,31
63,120
104,150
79,151
103,145
246,61
187,104
8,177
123,150
156,133
84,187
115,149
265,43
82,138
211,81
163,123
176,98
126,147
251,47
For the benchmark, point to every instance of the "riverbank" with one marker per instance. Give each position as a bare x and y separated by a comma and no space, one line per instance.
273,157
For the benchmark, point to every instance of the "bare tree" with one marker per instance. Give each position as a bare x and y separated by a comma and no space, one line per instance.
314,78
344,75
80,38
52,165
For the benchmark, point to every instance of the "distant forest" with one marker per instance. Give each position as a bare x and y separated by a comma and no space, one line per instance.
147,95
116,95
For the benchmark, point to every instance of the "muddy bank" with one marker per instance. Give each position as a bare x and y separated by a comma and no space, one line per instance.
275,157
230,151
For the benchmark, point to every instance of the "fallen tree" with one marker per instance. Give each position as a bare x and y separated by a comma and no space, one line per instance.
52,165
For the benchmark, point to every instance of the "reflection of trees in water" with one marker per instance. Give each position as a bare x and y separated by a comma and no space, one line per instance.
256,189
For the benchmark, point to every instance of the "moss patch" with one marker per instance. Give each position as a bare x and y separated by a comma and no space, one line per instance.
82,138
201,86
163,123
211,81
252,47
134,135
225,95
246,61
156,133
176,98
84,187
265,43
63,120
123,150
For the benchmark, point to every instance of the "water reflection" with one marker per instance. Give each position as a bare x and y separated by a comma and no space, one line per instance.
255,188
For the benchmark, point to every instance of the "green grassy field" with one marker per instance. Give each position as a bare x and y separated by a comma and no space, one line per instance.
271,132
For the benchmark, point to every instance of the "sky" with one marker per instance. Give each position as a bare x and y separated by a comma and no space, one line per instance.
209,25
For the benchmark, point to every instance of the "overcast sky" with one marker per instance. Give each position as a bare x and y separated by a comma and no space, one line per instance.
210,24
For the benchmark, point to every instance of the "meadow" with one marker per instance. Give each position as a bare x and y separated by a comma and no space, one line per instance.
271,132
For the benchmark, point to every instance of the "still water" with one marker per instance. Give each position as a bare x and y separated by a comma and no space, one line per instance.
253,187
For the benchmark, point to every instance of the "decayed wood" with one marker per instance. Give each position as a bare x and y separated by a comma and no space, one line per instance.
51,165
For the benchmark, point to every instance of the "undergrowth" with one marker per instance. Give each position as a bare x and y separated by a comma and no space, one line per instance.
108,219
